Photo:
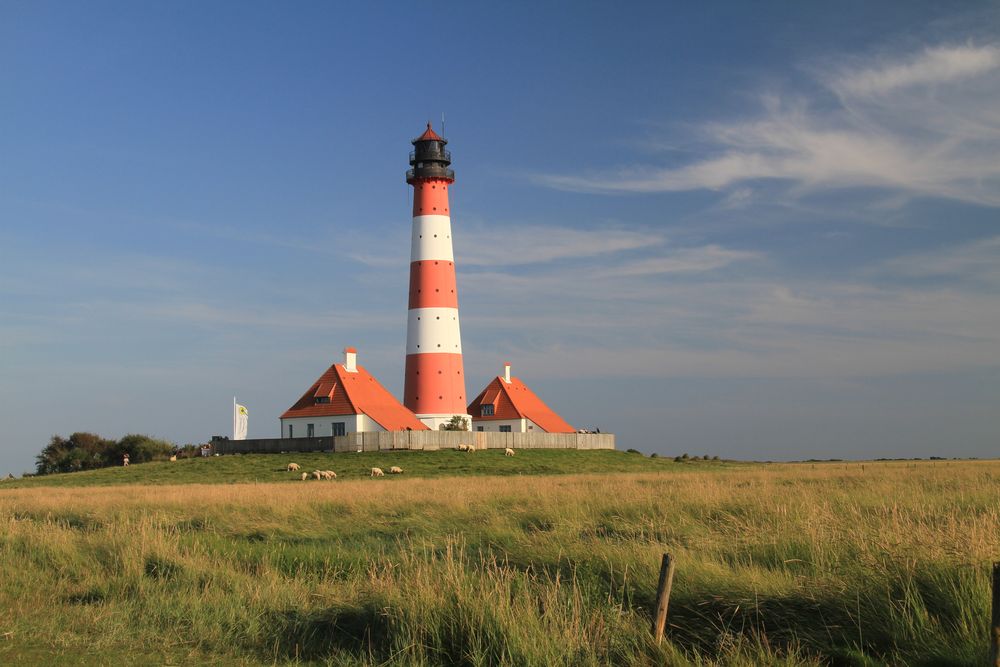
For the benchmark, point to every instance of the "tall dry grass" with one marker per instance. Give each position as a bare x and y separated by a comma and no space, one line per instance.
783,564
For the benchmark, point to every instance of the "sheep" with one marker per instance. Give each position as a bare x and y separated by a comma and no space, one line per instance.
305,476
329,474
395,470
471,449
463,448
508,452
173,458
317,474
377,472
292,467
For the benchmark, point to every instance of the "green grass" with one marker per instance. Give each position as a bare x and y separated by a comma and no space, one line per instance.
233,469
805,564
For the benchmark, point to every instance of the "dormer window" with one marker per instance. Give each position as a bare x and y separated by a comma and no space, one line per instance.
487,410
322,399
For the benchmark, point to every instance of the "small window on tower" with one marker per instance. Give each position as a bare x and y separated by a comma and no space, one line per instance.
487,409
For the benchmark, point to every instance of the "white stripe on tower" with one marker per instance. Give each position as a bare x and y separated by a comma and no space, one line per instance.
431,238
435,380
431,330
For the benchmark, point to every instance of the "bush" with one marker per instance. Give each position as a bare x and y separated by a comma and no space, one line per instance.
188,451
87,451
457,423
654,455
141,448
633,451
81,451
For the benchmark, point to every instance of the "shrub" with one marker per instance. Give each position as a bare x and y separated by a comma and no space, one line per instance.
141,448
633,451
81,451
87,451
188,451
456,423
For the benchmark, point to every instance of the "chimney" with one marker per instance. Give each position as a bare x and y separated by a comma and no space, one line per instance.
350,360
506,372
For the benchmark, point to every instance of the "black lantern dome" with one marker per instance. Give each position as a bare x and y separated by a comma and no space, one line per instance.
429,159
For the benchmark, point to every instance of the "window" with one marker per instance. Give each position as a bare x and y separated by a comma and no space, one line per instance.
291,431
310,431
322,399
338,428
479,428
505,428
487,409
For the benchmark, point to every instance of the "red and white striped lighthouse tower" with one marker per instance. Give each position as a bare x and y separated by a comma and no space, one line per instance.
435,380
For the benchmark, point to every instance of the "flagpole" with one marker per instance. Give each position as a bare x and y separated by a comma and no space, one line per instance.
234,417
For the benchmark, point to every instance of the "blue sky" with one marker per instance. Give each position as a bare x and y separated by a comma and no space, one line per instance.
761,230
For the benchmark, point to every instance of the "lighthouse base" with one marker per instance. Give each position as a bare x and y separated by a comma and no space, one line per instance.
435,422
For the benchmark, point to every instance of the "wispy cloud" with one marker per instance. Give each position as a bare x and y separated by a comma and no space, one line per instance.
933,66
506,245
482,245
925,124
752,321
976,261
684,260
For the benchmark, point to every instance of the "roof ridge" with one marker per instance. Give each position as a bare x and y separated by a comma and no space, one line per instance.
340,380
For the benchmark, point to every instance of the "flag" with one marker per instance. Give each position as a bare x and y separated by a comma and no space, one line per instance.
239,421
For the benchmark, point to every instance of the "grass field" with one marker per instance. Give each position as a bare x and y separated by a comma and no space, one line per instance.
235,469
791,564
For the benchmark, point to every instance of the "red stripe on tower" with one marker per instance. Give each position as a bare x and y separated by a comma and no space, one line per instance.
435,381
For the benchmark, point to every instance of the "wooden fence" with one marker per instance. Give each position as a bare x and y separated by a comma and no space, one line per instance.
375,441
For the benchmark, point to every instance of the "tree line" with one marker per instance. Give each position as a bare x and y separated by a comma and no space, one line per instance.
87,451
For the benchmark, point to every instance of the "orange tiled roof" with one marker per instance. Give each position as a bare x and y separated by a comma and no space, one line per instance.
351,394
428,135
516,401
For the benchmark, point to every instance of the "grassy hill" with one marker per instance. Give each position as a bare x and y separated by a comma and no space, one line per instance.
480,564
261,468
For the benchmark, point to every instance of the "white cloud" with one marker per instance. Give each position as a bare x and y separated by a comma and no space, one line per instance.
757,323
933,66
939,138
685,260
977,261
506,245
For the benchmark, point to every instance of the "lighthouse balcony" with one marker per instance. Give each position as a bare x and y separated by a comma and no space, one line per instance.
428,156
429,171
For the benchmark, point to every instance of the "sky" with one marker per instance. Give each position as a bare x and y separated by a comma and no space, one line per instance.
755,230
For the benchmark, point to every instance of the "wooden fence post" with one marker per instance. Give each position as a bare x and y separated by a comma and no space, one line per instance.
995,622
663,596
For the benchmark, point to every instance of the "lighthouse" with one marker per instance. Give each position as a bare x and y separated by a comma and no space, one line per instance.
434,387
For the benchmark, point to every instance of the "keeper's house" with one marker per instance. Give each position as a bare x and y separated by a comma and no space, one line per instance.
507,405
346,399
